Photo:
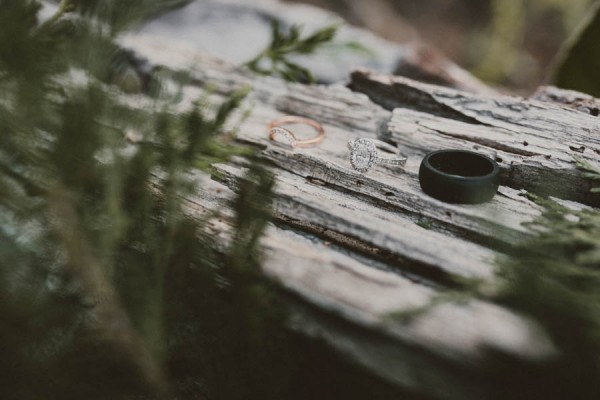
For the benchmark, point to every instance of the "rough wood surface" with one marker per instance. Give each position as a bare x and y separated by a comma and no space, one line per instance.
577,100
372,229
535,142
408,350
369,260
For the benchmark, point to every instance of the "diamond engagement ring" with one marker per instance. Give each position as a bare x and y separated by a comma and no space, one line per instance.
275,130
364,154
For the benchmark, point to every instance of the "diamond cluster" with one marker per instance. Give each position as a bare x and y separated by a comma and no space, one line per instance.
287,135
363,154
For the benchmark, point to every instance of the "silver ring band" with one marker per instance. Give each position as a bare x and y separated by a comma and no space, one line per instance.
364,154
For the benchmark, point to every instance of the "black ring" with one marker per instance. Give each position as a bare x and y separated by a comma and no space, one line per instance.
459,176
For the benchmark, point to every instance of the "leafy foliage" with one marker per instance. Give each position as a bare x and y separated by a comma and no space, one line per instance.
590,172
275,60
554,278
107,288
93,229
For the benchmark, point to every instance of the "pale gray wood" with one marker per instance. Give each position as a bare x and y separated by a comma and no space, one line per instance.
345,115
536,142
542,165
570,98
322,210
383,214
499,221
412,352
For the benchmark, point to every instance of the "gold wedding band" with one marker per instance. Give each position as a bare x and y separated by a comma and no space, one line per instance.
275,129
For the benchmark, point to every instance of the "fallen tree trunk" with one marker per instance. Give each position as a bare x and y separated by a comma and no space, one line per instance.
368,260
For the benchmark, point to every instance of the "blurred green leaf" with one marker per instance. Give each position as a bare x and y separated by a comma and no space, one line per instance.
274,60
589,171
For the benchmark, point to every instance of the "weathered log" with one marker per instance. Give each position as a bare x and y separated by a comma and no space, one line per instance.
536,143
381,233
496,223
346,114
396,322
577,100
397,251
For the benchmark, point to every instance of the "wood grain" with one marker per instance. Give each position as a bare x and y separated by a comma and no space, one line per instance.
369,263
535,142
380,319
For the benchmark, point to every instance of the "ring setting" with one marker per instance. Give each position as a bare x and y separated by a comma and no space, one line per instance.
364,154
275,129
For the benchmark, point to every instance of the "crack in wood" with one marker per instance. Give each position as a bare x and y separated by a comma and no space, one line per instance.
396,95
351,221
489,143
